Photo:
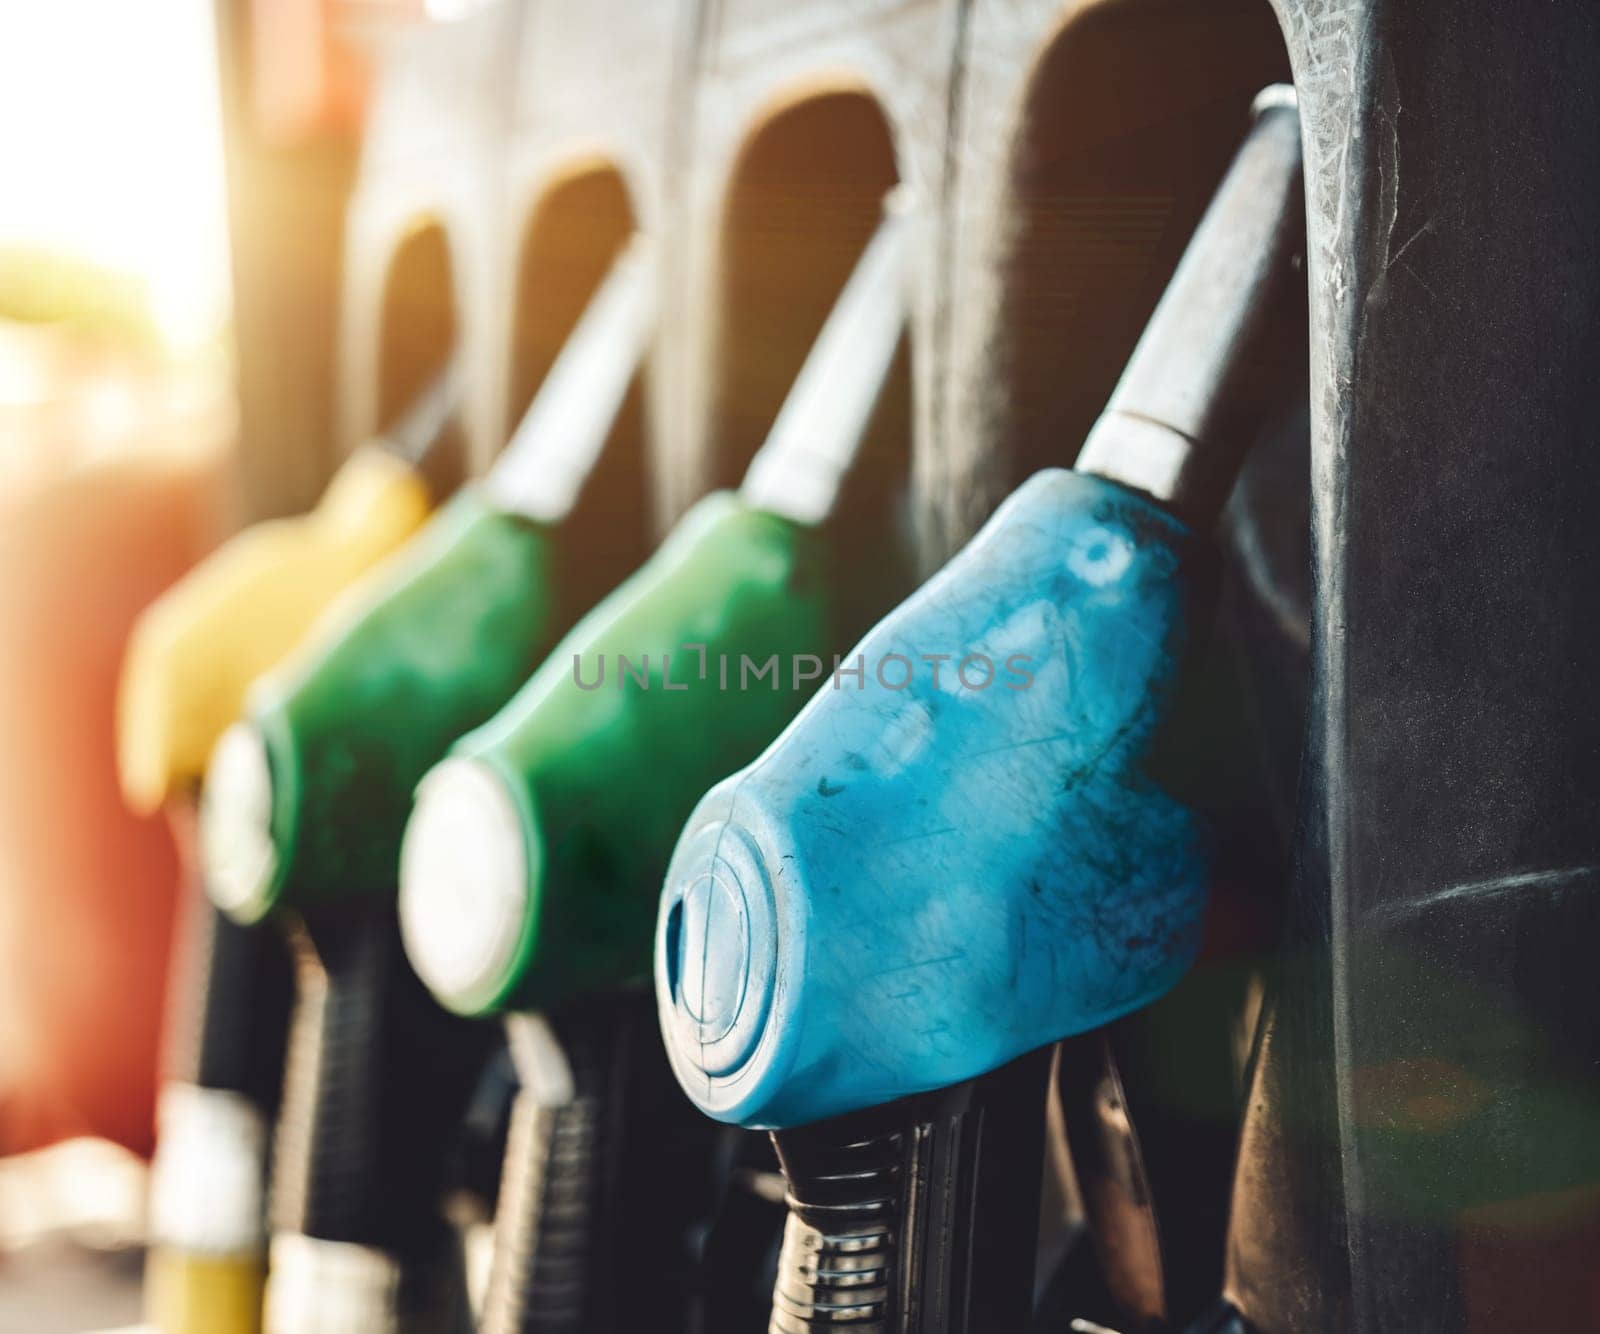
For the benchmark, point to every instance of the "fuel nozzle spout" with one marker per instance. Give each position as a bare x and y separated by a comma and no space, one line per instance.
420,436
1226,339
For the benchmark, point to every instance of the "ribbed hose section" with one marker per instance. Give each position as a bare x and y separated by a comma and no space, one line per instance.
846,1202
917,1217
228,1002
545,1228
377,1080
608,1184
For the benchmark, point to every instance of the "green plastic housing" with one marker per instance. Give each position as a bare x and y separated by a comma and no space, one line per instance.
430,646
604,775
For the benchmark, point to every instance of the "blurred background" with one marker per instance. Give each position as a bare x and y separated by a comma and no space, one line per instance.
118,469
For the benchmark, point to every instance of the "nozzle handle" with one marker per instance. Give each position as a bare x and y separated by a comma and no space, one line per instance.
851,918
1208,368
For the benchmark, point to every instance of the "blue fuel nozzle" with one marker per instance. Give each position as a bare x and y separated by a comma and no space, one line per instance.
959,851
917,883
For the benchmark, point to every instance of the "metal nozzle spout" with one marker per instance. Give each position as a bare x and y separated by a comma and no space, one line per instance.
423,436
1221,348
801,468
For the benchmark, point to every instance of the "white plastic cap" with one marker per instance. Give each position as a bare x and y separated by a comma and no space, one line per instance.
463,884
238,856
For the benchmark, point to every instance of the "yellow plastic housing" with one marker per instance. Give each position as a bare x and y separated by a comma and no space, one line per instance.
198,647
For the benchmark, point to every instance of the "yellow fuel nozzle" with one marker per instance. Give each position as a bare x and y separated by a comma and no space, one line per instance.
190,659
198,646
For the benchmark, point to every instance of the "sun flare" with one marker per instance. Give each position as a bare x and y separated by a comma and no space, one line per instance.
113,148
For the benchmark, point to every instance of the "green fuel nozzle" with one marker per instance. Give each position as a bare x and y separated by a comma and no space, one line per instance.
301,818
534,853
307,797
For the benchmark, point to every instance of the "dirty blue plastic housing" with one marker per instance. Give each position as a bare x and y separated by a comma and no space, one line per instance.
918,882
